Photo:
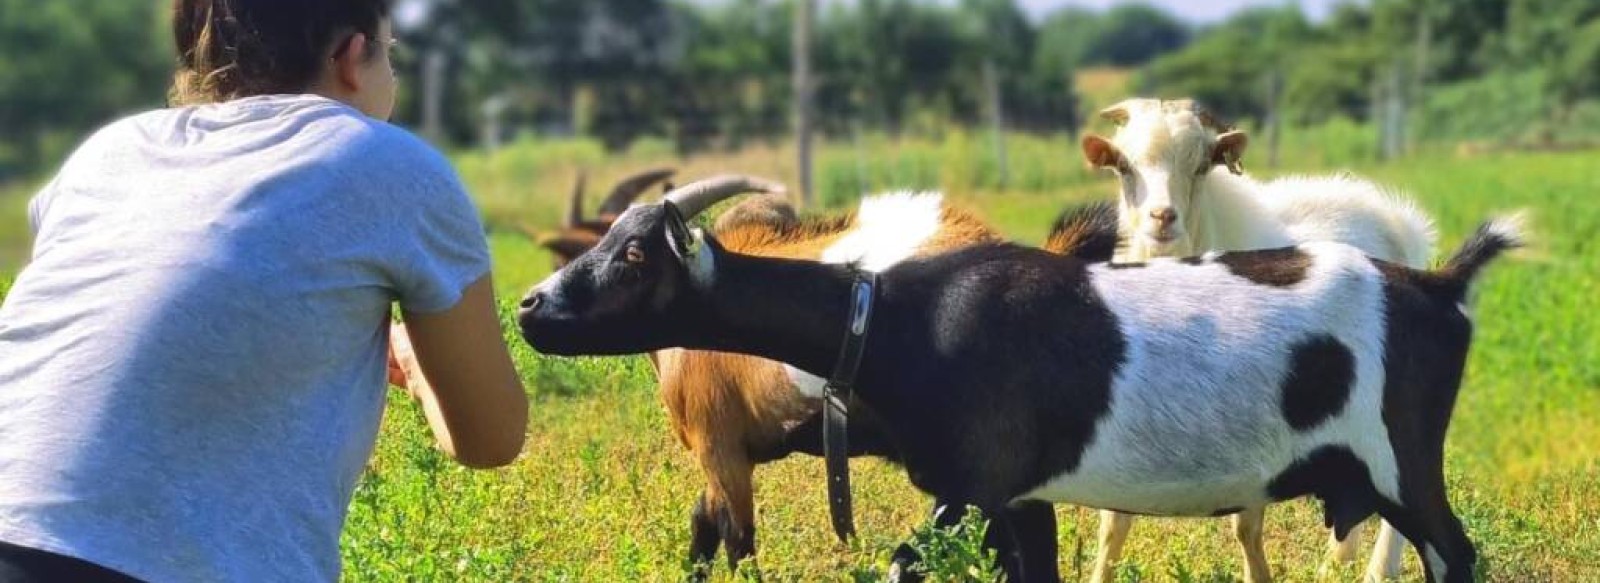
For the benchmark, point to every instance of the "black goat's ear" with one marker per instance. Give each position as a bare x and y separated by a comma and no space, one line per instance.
678,236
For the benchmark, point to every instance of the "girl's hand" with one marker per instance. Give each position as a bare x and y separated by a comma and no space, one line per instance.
404,372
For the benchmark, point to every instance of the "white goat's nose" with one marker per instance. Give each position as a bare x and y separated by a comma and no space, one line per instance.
1164,215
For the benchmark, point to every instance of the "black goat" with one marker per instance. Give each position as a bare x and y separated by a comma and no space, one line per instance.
1009,378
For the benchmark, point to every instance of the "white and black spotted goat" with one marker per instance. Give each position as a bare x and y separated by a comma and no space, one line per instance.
1010,378
1175,200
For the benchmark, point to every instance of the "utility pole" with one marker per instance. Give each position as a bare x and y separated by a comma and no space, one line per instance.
433,85
1391,110
1274,121
997,117
803,13
1419,73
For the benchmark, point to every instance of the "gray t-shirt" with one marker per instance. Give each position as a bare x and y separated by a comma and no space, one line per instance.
192,365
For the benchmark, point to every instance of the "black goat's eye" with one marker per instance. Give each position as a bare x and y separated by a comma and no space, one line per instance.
634,254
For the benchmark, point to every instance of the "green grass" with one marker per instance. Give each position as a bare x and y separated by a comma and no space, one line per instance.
603,491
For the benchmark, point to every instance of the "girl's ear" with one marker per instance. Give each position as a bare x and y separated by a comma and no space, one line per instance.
348,59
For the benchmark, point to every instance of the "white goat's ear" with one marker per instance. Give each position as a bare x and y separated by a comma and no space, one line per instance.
1229,151
1100,152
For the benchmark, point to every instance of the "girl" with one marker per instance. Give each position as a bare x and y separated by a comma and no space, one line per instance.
192,365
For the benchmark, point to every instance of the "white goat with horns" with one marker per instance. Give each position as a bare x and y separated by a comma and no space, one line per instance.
1174,204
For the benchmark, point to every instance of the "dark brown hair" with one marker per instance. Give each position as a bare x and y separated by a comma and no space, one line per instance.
229,49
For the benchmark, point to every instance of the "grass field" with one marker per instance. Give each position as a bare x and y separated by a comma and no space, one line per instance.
603,491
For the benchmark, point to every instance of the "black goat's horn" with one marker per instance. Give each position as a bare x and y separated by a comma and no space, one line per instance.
695,197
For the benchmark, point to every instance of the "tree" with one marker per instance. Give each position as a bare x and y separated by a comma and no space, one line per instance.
541,54
1133,34
1242,67
66,67
1561,38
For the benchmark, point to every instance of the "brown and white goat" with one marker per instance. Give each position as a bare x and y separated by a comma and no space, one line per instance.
733,411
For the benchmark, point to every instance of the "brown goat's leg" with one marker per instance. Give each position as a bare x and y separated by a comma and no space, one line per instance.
704,538
739,516
730,501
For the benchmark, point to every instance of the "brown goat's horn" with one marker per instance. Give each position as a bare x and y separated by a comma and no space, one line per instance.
630,188
575,204
694,198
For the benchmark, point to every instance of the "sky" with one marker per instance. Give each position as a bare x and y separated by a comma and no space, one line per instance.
1194,11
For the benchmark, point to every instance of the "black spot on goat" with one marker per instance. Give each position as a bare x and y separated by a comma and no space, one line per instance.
1321,371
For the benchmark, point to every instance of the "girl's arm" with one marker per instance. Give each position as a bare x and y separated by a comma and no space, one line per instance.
456,364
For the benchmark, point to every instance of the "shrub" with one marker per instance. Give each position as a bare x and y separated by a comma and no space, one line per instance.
956,552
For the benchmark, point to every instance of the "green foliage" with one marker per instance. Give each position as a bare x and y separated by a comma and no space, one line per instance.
68,66
956,553
710,76
1330,79
1125,36
501,179
961,161
1132,34
1503,106
1331,144
1064,39
1230,67
1521,67
1577,74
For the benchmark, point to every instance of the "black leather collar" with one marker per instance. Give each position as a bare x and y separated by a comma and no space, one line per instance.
835,403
